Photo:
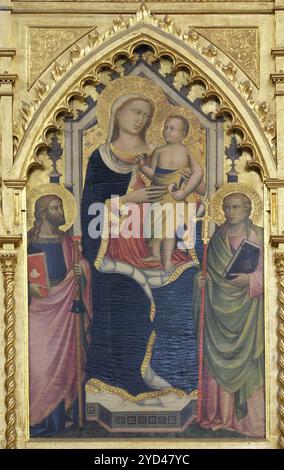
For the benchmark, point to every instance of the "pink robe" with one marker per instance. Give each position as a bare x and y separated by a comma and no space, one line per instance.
52,341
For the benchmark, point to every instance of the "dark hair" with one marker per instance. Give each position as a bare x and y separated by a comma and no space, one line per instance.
183,120
41,207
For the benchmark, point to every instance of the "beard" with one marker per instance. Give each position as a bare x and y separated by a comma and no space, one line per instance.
56,221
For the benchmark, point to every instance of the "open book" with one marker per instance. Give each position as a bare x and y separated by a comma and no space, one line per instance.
244,260
38,274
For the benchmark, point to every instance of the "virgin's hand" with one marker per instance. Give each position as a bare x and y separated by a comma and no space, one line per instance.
151,194
179,195
242,280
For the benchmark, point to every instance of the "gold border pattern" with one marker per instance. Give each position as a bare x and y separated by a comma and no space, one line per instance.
94,385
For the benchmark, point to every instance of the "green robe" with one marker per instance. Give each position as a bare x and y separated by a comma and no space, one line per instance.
233,326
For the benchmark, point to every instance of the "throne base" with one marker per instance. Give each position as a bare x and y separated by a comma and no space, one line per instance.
169,414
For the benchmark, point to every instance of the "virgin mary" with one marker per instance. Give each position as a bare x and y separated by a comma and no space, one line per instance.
143,343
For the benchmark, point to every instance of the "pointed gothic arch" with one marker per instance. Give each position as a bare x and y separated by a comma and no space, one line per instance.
54,102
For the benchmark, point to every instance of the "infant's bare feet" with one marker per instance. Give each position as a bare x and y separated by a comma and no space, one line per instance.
169,267
152,258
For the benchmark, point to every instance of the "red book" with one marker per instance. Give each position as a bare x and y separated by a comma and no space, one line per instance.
38,274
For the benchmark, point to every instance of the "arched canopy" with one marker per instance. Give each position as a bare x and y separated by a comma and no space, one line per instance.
125,42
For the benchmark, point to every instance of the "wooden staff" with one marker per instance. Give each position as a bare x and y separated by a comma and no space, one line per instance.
205,238
77,309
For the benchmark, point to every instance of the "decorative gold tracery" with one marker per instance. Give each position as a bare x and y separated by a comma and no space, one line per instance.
178,65
191,38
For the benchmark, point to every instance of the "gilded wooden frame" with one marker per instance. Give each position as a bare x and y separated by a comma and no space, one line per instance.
49,94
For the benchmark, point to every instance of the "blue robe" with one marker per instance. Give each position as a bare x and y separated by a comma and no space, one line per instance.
121,322
55,261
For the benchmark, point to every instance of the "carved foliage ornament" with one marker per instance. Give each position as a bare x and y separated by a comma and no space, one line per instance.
45,44
241,44
167,24
181,72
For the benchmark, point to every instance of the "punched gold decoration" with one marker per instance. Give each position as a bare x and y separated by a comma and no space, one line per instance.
133,85
217,213
45,44
241,44
69,204
130,85
144,16
224,107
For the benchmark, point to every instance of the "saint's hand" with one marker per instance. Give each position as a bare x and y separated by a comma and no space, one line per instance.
151,194
77,268
241,280
34,291
203,280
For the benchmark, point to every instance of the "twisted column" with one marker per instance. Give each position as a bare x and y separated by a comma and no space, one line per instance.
8,264
279,261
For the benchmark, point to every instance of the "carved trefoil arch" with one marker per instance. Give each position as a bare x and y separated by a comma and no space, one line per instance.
85,60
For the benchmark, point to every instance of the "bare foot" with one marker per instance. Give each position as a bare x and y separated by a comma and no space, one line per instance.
169,267
152,258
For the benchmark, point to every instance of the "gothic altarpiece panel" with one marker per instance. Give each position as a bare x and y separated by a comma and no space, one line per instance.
117,323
